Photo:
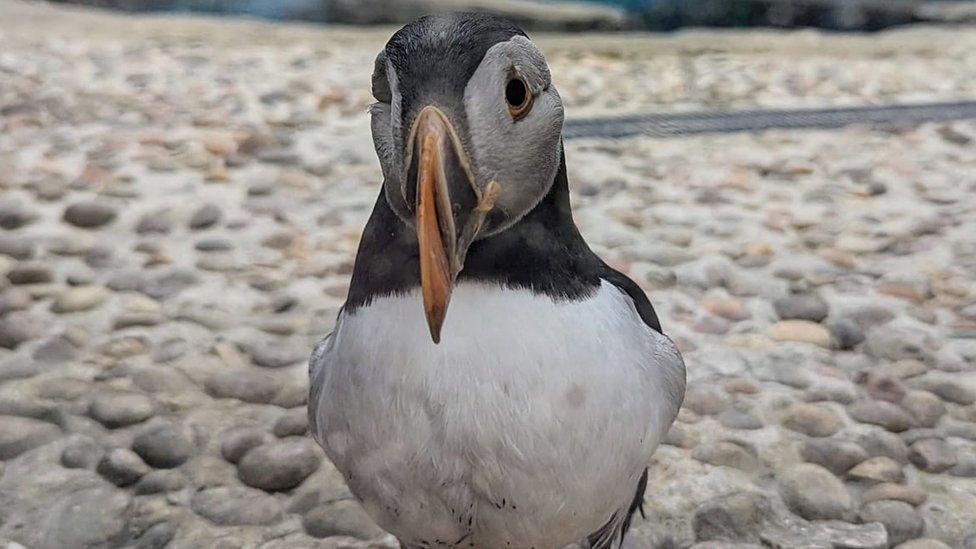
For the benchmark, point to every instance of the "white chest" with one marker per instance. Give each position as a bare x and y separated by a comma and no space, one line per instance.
529,424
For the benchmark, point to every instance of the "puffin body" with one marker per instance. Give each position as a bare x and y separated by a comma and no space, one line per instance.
490,382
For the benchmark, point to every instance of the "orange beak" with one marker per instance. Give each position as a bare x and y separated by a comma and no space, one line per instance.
436,233
446,199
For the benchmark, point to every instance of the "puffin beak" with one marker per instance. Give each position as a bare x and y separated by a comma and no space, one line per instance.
446,198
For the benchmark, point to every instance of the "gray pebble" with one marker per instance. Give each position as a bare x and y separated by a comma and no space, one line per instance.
236,506
279,465
20,434
814,493
89,215
900,519
118,409
238,441
340,518
121,467
164,445
205,217
246,385
810,307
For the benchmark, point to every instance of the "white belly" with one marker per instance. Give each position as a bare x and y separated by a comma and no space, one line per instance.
527,426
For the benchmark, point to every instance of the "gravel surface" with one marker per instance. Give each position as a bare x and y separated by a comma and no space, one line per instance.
180,204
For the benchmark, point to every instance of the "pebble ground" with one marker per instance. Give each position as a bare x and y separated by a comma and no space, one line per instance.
180,203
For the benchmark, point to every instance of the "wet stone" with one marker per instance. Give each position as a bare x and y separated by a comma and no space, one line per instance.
280,465
164,445
901,520
814,493
121,467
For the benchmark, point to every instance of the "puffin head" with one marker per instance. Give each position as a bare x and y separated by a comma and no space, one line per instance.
467,128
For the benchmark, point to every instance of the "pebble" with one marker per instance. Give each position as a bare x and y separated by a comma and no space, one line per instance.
836,455
881,413
160,481
238,441
814,493
923,543
119,409
236,506
279,465
878,469
846,333
29,273
925,408
122,467
812,420
340,518
900,519
803,331
705,400
164,445
89,215
246,385
947,388
727,454
21,434
882,386
292,423
739,419
809,307
883,443
932,455
205,217
154,223
900,492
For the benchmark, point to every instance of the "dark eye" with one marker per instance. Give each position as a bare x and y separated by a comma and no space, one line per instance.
518,97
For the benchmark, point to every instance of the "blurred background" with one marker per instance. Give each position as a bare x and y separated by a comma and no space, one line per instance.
183,184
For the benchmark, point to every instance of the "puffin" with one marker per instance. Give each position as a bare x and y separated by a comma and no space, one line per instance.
490,382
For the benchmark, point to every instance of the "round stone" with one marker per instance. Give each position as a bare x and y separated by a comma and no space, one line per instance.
924,407
29,273
947,388
803,331
846,333
735,517
89,215
340,518
881,413
79,298
279,465
19,327
932,455
20,434
810,307
163,445
705,399
206,216
923,543
236,506
811,419
878,469
900,519
118,409
836,455
161,481
882,386
246,385
900,492
727,454
814,493
292,423
239,441
122,467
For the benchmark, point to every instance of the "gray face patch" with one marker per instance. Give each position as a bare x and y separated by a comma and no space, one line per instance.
521,155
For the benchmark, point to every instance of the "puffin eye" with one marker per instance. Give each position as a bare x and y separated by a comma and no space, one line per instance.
518,97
